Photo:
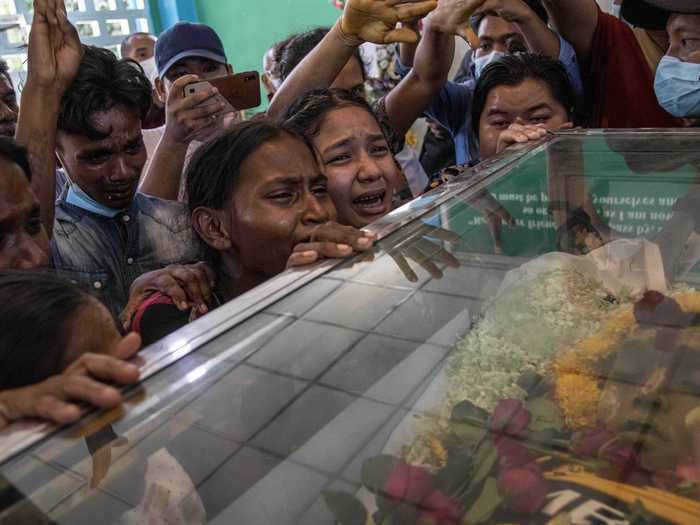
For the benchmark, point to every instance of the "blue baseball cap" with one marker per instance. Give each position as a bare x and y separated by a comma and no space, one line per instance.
185,40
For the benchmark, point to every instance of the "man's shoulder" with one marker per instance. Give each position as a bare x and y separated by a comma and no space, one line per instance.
173,214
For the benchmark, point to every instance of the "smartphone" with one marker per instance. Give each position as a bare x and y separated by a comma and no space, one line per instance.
237,92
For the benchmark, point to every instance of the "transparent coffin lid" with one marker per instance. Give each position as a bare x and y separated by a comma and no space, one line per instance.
299,412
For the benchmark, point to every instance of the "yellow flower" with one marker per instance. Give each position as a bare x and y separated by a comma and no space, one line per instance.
578,396
411,139
576,383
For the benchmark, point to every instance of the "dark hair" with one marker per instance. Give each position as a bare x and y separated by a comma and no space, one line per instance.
513,70
36,311
307,114
298,46
535,5
13,152
103,81
214,170
277,52
127,41
5,70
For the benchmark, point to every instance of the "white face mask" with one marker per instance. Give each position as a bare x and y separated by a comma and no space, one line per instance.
615,10
150,68
480,63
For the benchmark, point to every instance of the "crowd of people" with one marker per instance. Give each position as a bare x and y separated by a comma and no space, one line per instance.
131,207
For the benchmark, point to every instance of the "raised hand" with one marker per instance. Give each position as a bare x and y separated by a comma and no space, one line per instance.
515,11
452,16
54,47
376,20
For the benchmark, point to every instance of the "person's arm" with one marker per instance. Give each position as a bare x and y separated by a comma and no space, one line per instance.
54,58
186,119
189,286
407,51
432,63
362,21
576,21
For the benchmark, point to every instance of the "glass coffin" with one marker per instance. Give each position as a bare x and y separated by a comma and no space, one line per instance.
523,346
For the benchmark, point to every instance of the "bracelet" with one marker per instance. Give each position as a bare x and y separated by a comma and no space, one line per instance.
348,40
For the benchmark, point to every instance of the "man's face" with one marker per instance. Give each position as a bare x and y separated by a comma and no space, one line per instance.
141,47
495,34
23,241
107,169
204,68
531,102
8,108
684,37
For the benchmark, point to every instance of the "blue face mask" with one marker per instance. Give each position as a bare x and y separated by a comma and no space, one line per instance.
480,63
677,87
82,200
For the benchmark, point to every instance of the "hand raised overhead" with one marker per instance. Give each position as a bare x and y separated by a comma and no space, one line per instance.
376,20
452,16
54,47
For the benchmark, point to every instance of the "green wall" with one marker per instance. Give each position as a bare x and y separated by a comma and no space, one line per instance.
249,27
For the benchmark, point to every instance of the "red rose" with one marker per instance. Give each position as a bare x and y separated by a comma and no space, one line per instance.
512,453
509,417
657,309
409,484
589,443
525,488
441,509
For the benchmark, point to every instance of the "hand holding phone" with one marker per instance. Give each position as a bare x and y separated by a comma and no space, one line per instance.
236,92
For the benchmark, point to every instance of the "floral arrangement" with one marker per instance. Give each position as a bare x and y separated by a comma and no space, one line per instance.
565,305
575,374
511,453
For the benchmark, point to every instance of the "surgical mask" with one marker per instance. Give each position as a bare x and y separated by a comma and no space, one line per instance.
677,87
82,200
78,198
150,68
615,10
480,63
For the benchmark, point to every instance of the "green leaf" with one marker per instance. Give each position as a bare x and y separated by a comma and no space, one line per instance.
466,434
545,415
468,423
485,460
485,505
530,381
346,508
376,470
